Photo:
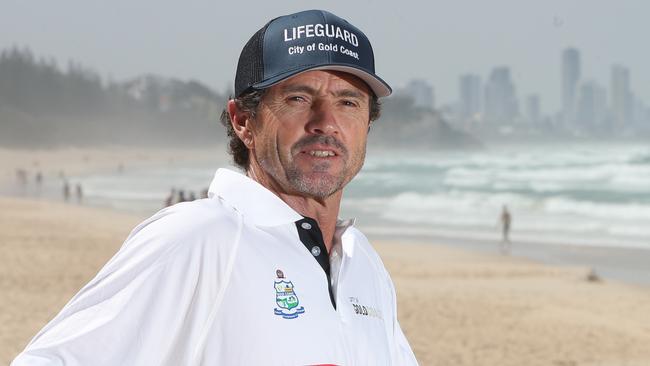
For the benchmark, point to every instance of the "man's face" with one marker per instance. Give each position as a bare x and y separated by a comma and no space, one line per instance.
310,132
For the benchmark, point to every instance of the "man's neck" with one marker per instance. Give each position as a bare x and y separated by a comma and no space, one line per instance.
324,210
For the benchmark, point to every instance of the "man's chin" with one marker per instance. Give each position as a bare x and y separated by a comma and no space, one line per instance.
317,184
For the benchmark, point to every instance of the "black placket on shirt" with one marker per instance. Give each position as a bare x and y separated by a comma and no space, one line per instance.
311,236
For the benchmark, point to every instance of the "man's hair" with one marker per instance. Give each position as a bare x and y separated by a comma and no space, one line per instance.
249,102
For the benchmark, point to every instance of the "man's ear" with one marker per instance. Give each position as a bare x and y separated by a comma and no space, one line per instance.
241,123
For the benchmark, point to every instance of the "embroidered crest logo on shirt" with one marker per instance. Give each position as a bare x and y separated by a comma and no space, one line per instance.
287,300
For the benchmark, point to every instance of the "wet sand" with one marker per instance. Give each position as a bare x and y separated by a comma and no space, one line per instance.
457,307
626,264
60,163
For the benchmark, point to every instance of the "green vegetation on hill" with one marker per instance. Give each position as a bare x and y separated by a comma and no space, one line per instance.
41,105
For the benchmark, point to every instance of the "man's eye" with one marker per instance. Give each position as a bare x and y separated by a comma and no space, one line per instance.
349,103
297,98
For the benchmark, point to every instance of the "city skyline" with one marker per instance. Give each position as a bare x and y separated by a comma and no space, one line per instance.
584,100
586,104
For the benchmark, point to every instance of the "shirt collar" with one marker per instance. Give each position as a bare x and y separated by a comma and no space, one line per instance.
253,200
256,202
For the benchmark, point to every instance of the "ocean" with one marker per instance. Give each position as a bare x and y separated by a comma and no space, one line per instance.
588,194
596,195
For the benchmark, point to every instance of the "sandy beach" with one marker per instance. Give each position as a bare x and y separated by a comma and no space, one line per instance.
468,308
456,307
48,251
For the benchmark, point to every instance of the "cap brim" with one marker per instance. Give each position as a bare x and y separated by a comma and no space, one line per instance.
378,86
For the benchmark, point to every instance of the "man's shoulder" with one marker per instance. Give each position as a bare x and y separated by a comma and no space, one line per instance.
204,222
198,214
362,242
201,216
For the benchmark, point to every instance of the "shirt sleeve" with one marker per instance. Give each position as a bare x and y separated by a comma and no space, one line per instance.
401,351
402,355
148,306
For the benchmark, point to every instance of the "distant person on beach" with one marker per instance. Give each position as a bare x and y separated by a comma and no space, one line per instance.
21,181
170,198
79,193
21,177
263,272
505,220
66,191
38,179
181,196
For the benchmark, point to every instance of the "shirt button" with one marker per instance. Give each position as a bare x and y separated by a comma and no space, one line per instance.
315,251
306,225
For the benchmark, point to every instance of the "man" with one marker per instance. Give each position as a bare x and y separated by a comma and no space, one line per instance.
506,220
261,273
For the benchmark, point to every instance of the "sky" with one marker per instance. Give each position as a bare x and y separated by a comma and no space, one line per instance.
433,40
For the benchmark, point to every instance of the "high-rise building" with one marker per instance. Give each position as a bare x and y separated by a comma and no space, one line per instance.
570,79
638,113
591,105
533,112
421,92
470,96
620,95
500,100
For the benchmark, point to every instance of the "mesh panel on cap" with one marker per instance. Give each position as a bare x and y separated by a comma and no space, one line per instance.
250,68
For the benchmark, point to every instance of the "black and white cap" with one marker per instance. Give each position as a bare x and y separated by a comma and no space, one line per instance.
304,41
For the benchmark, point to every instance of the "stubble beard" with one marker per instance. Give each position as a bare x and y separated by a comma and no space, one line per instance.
317,183
320,184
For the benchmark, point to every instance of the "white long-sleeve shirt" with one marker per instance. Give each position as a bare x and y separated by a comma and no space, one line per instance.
227,281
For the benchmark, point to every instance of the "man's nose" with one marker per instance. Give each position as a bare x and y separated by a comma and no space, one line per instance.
323,121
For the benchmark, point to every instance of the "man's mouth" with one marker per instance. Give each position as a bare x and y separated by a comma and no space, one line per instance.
320,147
321,153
